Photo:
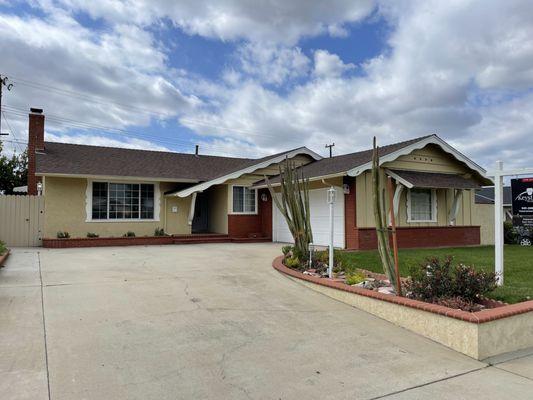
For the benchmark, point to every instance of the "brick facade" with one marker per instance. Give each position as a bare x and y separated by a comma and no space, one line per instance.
434,236
257,225
350,215
35,144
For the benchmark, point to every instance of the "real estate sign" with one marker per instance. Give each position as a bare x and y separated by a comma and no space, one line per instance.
522,192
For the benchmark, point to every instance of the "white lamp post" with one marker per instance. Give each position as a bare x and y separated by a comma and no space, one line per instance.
332,193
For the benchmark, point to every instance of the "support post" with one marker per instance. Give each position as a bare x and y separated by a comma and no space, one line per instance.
498,222
331,201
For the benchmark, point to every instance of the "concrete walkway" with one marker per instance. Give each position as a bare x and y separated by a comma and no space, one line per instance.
212,322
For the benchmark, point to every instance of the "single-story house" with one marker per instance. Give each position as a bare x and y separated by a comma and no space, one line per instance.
110,191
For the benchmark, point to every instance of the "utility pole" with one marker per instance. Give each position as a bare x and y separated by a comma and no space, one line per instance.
330,146
3,82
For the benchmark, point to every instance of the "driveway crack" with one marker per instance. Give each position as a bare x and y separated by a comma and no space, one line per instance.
429,383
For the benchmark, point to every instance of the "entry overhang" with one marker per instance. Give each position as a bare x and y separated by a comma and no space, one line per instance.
434,180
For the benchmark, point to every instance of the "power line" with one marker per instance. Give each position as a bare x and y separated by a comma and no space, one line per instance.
102,101
10,128
86,125
178,144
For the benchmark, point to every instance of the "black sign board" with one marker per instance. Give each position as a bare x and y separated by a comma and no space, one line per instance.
522,192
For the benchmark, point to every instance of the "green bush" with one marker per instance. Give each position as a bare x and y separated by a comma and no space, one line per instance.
436,280
3,248
92,235
286,249
159,232
129,234
509,233
293,262
355,278
63,235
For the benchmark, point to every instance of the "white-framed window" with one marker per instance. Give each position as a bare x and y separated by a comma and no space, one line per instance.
244,200
120,201
422,205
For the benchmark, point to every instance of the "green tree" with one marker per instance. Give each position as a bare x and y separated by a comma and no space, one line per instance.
13,171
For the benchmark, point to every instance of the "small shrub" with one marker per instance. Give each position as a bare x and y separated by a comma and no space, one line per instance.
92,235
286,249
3,248
129,234
437,280
355,278
63,235
293,262
159,232
509,233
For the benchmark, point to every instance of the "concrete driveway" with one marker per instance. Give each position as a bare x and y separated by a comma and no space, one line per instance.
211,322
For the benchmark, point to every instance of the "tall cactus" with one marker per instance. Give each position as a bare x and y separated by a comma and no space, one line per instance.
294,205
382,232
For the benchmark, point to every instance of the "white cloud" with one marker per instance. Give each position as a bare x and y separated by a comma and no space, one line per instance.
454,68
108,79
272,64
463,69
262,21
98,140
330,65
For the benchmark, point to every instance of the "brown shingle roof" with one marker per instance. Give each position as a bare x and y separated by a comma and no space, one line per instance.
345,162
75,159
437,180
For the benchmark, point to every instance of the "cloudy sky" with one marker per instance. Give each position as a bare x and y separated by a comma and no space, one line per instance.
248,78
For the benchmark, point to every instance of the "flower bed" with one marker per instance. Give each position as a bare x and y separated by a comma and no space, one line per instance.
480,334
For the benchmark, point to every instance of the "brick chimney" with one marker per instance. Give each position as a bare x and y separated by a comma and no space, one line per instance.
35,145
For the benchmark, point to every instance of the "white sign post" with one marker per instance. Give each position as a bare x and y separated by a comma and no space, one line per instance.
331,201
498,175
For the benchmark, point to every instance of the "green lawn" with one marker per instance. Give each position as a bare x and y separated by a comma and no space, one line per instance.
518,284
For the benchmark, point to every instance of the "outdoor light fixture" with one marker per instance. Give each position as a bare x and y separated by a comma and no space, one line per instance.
264,197
311,251
332,194
39,188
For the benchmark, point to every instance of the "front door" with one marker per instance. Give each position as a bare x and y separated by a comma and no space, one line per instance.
200,221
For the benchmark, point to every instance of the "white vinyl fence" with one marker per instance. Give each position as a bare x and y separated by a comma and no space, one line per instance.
21,220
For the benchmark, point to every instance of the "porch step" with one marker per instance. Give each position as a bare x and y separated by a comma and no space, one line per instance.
201,238
251,239
215,238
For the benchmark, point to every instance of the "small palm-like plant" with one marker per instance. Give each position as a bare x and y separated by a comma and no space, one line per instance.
382,232
294,206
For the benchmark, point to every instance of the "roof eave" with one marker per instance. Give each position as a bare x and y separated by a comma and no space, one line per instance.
236,174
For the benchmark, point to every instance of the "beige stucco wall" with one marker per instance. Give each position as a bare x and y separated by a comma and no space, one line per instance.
218,209
459,335
428,159
483,215
479,341
176,223
65,210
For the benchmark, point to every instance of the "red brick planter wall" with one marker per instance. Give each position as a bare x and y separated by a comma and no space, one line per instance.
4,257
478,317
104,242
438,236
